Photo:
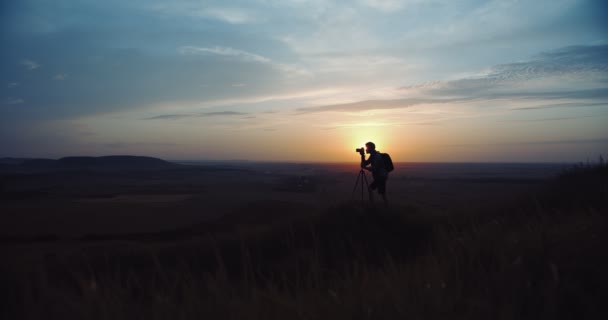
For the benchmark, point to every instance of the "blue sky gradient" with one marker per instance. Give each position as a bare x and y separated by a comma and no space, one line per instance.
273,80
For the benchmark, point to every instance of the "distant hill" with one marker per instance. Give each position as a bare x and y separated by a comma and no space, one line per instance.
104,163
12,161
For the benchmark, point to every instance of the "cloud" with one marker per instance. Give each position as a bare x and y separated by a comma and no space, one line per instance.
30,65
366,50
197,9
569,141
387,5
60,76
366,105
223,51
242,55
539,142
12,84
578,104
131,145
11,101
124,80
372,105
578,74
547,119
230,15
361,125
408,26
353,63
195,115
572,61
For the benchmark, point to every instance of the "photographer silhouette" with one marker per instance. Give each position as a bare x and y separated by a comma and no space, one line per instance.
378,169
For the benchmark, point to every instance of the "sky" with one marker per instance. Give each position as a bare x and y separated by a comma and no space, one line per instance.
295,80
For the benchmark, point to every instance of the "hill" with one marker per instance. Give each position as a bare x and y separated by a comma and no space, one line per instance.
119,162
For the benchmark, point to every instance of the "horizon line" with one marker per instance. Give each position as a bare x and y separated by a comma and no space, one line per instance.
588,160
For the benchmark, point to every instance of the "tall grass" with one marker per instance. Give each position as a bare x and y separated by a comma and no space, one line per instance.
540,258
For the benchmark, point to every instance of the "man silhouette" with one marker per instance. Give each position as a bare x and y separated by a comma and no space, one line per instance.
378,170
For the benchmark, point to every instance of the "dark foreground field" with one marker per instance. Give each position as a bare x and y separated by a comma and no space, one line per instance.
271,241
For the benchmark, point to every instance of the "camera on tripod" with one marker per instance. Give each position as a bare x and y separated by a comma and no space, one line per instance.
360,150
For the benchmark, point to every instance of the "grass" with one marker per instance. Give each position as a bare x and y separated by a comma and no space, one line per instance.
542,257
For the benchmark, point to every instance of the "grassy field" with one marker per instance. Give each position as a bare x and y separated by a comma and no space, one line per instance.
541,257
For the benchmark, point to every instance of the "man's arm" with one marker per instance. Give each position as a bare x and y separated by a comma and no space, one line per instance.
365,163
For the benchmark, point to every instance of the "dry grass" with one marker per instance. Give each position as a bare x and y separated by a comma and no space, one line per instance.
541,258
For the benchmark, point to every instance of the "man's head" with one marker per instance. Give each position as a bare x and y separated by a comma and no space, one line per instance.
370,147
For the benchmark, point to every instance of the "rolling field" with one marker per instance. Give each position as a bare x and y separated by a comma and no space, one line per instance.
276,241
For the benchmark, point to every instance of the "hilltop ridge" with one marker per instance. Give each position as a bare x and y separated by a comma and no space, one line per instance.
103,162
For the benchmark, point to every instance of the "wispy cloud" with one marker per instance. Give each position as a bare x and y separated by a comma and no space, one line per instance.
538,142
12,84
176,116
388,5
569,141
546,119
356,63
197,9
223,51
370,124
30,64
577,104
130,145
60,76
230,15
366,105
12,101
373,105
286,98
242,55
576,75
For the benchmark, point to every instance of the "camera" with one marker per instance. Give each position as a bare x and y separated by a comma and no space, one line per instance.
360,150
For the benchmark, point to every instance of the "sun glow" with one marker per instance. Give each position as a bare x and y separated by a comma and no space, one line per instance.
357,138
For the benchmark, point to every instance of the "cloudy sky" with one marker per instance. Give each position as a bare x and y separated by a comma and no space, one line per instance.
296,80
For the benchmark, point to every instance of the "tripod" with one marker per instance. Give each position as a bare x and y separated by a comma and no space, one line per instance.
363,180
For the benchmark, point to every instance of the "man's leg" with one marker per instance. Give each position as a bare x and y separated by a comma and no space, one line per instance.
382,191
371,189
385,200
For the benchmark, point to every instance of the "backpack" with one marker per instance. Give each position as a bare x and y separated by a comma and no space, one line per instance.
388,163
